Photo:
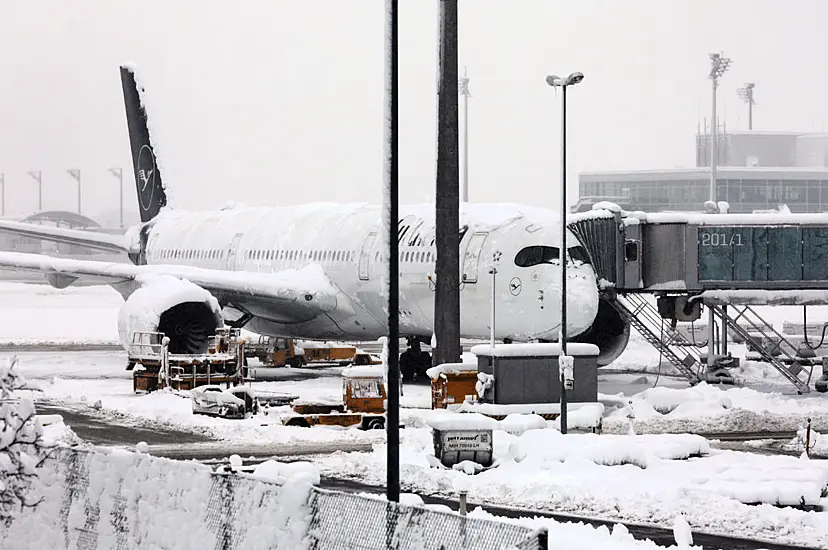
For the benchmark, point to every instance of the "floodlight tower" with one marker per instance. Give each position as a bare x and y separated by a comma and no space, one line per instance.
746,94
76,175
464,91
718,66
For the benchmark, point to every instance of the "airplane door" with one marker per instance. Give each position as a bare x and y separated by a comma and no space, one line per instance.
471,261
231,252
365,256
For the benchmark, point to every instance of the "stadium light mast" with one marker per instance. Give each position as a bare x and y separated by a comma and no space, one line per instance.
76,175
119,173
464,91
37,175
563,83
746,94
718,67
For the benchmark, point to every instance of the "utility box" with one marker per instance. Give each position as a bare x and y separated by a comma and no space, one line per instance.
528,373
461,437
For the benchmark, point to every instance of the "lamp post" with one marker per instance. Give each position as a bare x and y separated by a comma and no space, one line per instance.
746,94
464,91
2,195
563,83
119,173
76,175
37,175
718,66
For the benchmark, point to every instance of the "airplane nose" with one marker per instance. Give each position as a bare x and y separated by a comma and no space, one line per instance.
581,301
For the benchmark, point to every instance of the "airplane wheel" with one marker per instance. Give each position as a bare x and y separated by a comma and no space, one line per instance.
296,362
361,360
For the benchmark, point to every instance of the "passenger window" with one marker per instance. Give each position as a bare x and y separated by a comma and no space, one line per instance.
535,255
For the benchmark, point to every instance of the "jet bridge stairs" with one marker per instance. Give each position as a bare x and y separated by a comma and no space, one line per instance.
689,260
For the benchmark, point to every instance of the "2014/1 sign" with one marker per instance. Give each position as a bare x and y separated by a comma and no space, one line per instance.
721,239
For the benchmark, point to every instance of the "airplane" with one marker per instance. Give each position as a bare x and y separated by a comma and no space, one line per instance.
316,271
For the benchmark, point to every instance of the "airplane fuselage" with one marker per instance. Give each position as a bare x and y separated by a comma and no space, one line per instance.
347,242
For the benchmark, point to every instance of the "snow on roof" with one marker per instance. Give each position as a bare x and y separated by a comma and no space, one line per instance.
450,368
470,421
732,219
364,371
764,297
522,408
534,350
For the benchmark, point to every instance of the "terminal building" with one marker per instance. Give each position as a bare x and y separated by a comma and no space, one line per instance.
756,170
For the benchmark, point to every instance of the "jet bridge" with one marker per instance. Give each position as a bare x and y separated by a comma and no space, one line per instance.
719,260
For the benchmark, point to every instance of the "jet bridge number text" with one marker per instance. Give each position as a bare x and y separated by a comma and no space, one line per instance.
721,239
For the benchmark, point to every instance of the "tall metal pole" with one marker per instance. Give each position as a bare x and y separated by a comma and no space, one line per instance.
76,175
464,91
562,256
750,115
37,175
119,173
447,198
494,296
2,195
714,148
391,214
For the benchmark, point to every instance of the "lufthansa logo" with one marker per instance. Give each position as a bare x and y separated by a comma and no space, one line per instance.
515,286
146,176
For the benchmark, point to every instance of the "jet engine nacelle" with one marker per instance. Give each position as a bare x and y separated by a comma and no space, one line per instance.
609,331
183,311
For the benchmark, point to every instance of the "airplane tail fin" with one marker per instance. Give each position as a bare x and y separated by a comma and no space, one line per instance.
151,195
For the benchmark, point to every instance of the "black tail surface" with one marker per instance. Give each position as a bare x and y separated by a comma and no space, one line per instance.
151,196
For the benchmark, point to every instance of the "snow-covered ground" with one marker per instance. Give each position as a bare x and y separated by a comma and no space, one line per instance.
632,478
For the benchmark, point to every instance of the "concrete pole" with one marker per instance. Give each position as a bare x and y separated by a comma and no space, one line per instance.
447,198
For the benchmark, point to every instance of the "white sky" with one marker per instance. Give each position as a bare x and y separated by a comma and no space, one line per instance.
281,102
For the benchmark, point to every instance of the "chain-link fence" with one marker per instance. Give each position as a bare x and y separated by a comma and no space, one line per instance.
353,522
120,500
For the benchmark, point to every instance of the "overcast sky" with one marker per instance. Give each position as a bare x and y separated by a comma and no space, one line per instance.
281,102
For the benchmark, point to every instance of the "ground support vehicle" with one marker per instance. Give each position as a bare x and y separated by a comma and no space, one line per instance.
281,352
155,368
363,405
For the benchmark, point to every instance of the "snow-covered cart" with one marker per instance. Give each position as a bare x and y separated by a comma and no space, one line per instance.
235,402
154,367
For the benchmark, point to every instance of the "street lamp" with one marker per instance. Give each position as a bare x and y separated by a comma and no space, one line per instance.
746,94
718,67
37,175
563,83
119,173
464,91
76,174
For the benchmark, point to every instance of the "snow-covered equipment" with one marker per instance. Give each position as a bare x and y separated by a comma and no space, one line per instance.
719,371
364,398
463,437
212,400
281,352
452,384
155,367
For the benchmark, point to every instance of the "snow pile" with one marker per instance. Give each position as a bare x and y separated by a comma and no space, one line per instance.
534,350
543,447
585,417
708,408
280,472
158,293
121,499
817,442
576,535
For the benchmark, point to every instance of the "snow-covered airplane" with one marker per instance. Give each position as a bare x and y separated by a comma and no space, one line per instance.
316,271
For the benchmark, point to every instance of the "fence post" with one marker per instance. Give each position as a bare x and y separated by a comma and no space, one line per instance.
463,496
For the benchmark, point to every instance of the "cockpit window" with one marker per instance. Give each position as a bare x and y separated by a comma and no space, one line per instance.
534,255
579,254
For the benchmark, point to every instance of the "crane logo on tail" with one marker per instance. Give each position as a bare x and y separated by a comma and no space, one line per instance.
146,176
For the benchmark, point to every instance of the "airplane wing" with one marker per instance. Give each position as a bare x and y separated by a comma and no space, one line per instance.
89,239
299,295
